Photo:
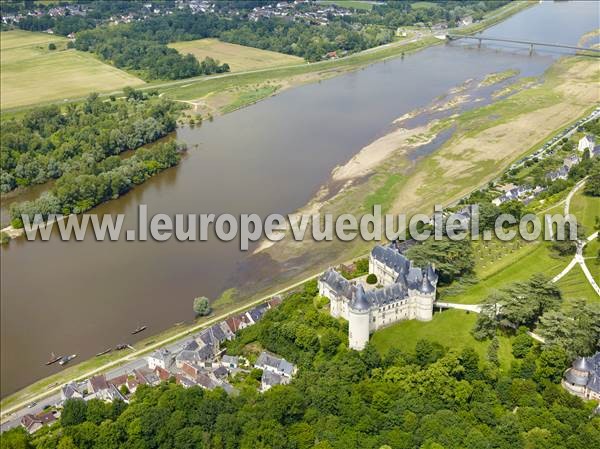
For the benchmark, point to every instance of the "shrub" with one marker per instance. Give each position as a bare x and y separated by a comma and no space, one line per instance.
371,279
202,306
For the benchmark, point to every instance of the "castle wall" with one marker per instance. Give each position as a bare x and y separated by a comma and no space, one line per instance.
385,275
358,329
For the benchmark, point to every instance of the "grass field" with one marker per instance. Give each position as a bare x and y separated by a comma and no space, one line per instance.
348,4
519,265
575,285
586,209
238,57
33,74
451,328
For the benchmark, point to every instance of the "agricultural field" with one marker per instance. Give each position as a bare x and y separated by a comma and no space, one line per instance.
349,4
31,73
239,57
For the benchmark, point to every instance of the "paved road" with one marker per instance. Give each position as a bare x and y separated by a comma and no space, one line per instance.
12,415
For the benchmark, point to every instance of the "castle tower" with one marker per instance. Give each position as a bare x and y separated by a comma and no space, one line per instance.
358,319
424,299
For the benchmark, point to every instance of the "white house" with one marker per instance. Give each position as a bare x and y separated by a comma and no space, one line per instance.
586,142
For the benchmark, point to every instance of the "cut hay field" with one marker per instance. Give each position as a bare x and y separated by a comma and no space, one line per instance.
239,57
31,73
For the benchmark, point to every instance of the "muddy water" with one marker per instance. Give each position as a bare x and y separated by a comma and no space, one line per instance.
81,297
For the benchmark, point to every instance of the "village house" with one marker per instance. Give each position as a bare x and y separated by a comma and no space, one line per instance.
230,362
270,362
403,292
587,142
160,358
33,423
270,379
72,390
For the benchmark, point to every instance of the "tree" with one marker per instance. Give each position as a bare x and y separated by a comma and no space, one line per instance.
202,306
492,352
592,185
372,279
452,259
74,412
521,344
330,340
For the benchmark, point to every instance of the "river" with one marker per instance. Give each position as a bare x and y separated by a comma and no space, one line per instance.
82,297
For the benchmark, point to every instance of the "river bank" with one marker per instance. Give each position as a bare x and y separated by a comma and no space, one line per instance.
243,159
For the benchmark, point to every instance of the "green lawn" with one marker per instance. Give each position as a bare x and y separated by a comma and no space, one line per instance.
31,73
576,286
501,268
586,209
451,328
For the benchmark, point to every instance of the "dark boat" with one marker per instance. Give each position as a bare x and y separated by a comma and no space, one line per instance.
138,330
121,347
106,351
66,359
53,359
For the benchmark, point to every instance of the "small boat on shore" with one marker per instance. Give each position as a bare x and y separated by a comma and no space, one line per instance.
138,330
121,346
53,359
106,351
66,359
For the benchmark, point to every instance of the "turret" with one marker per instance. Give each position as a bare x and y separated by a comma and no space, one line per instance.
358,319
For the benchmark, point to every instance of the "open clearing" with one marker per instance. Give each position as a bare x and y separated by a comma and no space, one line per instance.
238,57
451,328
33,74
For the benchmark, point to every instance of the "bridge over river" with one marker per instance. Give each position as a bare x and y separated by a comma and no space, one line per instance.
594,52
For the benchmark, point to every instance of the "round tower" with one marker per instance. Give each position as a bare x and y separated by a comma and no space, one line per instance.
359,316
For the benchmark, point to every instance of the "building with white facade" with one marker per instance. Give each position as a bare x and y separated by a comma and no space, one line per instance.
403,292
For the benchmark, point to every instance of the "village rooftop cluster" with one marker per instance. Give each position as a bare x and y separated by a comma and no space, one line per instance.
197,360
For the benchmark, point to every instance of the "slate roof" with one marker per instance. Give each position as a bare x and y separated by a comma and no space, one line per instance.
271,379
267,359
410,277
585,372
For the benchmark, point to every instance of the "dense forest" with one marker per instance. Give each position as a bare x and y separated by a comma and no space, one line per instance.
142,46
431,397
79,144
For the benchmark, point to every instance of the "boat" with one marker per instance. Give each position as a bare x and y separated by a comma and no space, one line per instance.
121,346
53,359
66,359
106,351
138,330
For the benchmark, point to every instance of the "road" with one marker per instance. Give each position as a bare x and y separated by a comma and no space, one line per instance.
11,415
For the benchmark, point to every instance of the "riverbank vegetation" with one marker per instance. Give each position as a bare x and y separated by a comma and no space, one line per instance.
79,146
423,396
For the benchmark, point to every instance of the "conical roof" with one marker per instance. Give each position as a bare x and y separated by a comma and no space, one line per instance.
359,302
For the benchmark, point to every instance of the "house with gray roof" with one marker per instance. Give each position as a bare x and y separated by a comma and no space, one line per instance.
162,358
270,362
583,377
403,292
270,379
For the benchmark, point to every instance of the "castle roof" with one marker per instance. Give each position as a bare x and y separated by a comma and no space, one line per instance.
359,302
585,372
408,277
